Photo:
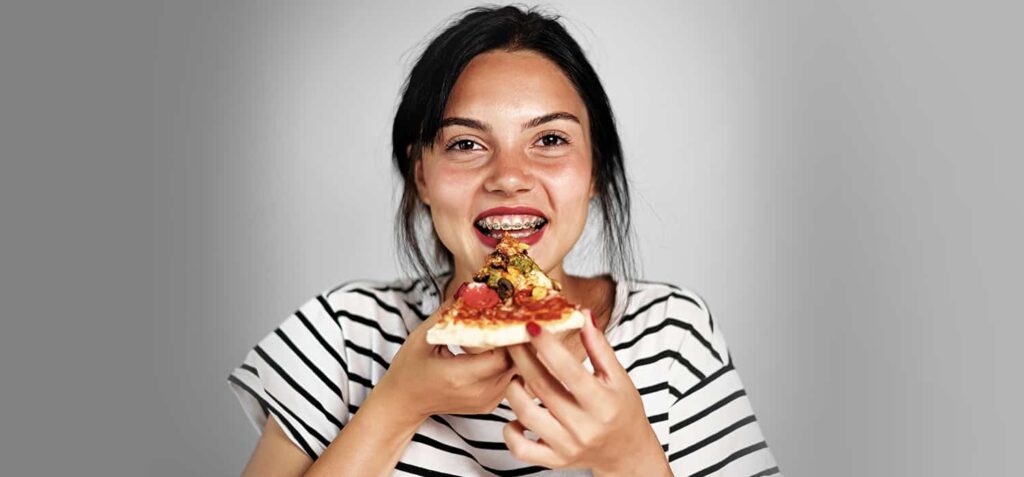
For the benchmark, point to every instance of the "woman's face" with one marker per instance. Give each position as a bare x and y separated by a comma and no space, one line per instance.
513,151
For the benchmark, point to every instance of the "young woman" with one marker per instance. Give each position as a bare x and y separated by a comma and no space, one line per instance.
502,117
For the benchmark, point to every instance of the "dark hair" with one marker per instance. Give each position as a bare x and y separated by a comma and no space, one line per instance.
426,92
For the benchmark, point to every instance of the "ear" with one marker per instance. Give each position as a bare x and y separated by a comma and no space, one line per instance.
421,185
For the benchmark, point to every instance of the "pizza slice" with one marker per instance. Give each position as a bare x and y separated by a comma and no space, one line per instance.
508,292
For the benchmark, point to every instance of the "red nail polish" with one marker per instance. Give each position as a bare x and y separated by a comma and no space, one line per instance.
533,328
593,320
460,291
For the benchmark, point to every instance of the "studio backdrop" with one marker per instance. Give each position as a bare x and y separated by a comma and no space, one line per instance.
839,180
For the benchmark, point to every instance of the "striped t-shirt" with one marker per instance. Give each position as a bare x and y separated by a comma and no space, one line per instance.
314,371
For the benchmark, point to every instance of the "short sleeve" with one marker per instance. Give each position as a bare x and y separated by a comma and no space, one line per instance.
298,374
712,427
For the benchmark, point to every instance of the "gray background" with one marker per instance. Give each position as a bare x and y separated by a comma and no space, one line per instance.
840,181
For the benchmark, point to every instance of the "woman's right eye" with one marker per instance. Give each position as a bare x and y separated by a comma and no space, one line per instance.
461,145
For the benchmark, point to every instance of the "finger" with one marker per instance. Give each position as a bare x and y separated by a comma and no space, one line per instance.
551,392
536,418
526,450
505,378
444,351
436,315
541,382
483,365
560,362
601,353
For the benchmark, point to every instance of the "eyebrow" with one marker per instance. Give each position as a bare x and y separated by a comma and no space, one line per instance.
475,124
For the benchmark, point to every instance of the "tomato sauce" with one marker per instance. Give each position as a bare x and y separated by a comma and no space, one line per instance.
522,309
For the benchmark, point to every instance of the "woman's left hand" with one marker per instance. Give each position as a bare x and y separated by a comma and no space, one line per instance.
594,421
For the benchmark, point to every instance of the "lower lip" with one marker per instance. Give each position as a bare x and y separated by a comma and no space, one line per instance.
493,242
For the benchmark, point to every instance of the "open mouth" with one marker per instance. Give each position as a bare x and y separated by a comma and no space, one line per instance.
519,226
525,224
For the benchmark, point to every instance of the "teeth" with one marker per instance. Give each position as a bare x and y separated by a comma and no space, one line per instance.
510,222
519,235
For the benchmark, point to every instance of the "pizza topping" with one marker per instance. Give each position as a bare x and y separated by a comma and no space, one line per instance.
525,298
479,296
524,308
523,264
508,290
505,288
509,246
538,293
508,269
511,286
497,261
541,280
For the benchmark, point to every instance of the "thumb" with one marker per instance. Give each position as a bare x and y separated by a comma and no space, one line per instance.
602,356
419,334
436,315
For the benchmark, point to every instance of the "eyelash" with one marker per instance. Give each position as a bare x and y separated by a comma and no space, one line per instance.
451,144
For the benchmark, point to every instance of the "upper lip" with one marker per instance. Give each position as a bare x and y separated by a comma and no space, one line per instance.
510,211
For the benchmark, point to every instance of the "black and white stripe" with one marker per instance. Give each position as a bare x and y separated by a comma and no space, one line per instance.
314,371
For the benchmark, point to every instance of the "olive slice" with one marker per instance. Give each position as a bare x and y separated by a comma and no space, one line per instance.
505,288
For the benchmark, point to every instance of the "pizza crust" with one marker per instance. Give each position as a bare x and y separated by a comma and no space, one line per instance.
458,333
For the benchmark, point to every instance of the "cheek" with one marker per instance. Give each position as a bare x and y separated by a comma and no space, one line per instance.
569,190
451,193
570,187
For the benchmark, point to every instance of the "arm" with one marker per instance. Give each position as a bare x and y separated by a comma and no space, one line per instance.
421,381
712,427
275,454
355,452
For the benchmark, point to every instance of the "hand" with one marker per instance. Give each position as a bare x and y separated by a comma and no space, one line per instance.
426,379
594,421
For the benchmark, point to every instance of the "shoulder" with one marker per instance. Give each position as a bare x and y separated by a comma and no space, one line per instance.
668,322
654,301
369,299
404,299
334,316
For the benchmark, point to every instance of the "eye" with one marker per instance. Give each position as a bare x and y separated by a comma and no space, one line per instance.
552,140
461,145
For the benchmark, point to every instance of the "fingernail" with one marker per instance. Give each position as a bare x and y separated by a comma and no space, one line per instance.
533,328
593,320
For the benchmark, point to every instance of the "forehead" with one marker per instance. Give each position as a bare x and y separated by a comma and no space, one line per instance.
515,85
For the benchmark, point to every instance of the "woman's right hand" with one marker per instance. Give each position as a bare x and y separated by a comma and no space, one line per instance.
425,379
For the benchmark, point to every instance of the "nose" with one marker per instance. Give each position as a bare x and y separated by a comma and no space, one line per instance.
510,173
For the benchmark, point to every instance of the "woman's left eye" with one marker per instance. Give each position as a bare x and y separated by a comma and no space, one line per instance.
552,140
